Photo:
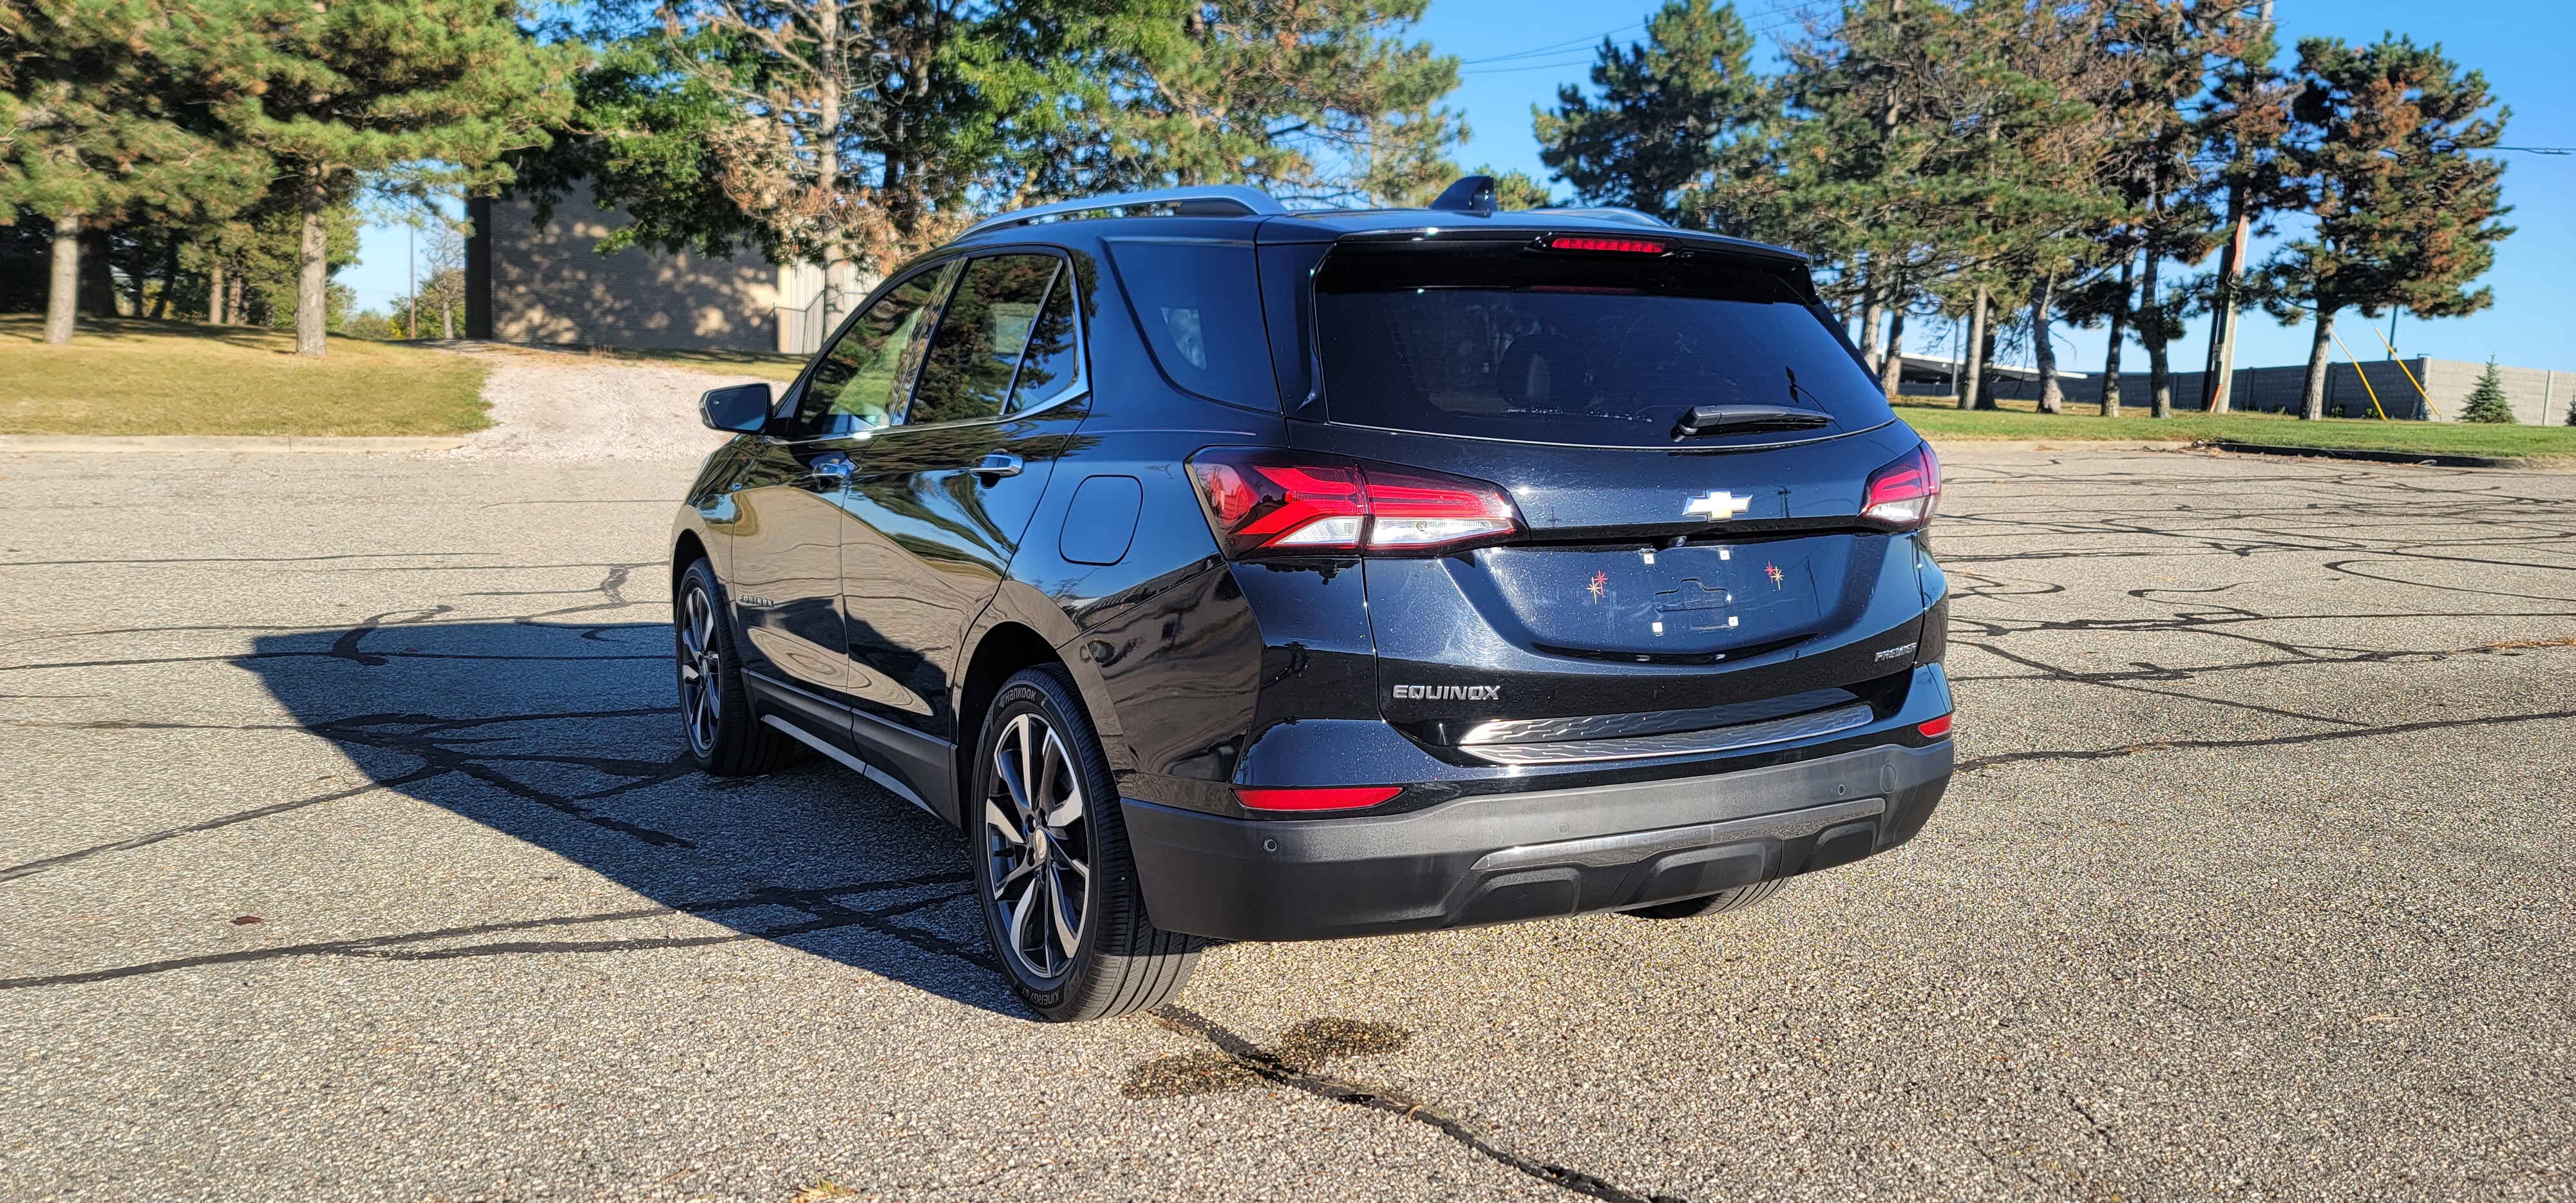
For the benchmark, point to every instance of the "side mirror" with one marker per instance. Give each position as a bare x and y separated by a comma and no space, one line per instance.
741,409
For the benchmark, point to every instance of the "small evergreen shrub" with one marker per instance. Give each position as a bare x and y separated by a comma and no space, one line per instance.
2486,401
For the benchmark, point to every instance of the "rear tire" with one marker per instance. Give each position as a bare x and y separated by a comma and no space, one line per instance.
725,738
1057,885
1710,904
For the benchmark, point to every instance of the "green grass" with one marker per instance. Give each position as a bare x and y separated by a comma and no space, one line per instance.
133,376
768,365
1939,420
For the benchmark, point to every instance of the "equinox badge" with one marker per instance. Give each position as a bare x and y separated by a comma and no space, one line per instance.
1718,506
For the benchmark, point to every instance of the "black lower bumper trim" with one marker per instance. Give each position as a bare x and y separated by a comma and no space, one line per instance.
1509,857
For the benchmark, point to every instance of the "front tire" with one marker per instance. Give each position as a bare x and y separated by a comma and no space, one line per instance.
1058,887
725,738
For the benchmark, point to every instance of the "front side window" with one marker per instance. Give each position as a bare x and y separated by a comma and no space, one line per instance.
986,324
854,385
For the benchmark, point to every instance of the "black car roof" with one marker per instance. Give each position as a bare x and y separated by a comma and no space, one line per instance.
1266,220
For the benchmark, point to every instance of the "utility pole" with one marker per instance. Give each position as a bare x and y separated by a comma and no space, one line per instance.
411,277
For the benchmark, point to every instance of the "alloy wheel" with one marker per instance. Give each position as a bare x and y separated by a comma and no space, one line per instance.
1037,845
701,681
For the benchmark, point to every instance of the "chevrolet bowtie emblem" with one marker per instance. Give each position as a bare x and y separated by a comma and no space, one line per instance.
1718,506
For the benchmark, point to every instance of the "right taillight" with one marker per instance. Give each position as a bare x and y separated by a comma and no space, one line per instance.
1273,502
1901,495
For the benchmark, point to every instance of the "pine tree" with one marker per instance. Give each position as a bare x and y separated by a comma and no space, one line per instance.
1669,112
105,127
2487,401
2405,214
337,91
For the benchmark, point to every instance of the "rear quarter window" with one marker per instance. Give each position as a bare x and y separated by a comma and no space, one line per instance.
1502,341
1199,305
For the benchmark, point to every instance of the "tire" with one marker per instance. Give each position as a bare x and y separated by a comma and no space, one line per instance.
1711,904
725,738
1038,844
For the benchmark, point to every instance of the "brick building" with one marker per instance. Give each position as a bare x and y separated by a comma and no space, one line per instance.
526,283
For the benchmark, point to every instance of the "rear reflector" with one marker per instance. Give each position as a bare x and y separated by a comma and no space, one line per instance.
1936,728
1901,495
1277,502
1616,246
1347,797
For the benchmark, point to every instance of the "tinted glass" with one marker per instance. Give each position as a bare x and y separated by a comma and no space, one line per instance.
854,384
1053,362
1502,342
967,374
1199,304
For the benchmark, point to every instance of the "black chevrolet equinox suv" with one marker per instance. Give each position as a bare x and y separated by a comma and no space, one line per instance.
1227,572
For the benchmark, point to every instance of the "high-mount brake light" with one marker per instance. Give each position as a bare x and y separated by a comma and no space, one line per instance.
1273,502
1902,495
1345,797
1616,246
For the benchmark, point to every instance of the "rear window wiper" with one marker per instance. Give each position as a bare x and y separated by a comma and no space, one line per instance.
1705,420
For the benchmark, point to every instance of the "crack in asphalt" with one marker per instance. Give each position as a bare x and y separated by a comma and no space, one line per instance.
821,904
1270,1066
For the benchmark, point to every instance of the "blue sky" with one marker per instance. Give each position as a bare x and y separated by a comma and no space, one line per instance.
1518,51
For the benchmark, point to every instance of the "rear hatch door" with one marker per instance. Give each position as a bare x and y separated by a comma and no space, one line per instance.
1687,440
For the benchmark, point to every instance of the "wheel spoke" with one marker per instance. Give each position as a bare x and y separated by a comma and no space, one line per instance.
1068,929
1018,926
1002,824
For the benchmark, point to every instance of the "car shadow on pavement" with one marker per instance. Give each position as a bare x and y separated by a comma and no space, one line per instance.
567,737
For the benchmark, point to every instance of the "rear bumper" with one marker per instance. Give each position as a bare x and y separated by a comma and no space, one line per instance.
1503,858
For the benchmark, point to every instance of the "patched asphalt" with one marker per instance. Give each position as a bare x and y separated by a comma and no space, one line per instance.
2256,883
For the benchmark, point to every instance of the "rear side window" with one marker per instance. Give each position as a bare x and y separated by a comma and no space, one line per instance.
854,383
982,331
1052,366
1199,304
1500,341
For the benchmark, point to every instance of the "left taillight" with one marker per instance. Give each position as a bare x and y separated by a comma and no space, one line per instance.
1274,502
1902,495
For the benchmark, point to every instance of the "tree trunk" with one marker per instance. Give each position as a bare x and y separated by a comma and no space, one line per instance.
1870,311
2119,335
1891,368
169,281
2151,331
62,291
216,310
236,310
1986,366
313,270
837,260
2312,395
446,320
2044,352
98,280
1973,372
2220,370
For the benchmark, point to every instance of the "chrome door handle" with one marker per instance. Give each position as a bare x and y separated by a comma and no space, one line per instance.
999,464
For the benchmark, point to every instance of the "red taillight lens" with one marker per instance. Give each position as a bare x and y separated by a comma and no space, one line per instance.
1936,728
1901,496
1616,246
1287,503
1348,797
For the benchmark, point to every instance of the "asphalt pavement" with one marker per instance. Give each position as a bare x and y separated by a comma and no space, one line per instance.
347,852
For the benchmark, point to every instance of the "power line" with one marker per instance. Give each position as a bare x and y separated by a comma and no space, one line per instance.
1780,17
2539,150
